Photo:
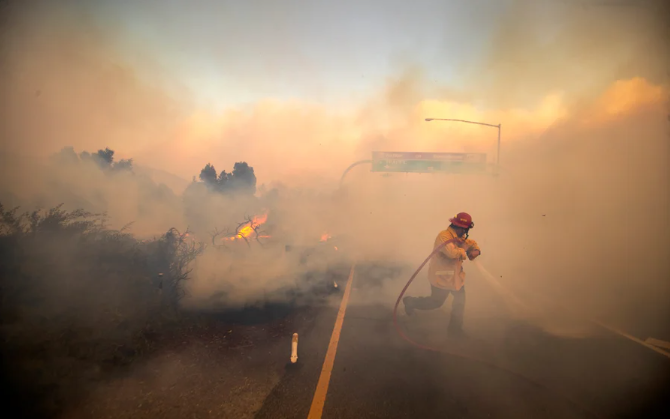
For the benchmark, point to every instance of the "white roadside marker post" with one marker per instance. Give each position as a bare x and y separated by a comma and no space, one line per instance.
294,348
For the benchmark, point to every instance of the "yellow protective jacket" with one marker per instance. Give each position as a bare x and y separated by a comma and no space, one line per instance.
445,269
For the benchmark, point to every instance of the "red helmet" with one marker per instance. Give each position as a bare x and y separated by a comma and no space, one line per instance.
462,219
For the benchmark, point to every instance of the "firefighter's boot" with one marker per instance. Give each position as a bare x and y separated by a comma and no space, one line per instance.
455,329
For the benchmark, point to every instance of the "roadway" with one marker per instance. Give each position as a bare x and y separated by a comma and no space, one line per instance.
507,367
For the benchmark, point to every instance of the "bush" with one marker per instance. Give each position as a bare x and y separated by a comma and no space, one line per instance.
78,299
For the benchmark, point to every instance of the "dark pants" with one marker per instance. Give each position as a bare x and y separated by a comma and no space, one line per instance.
437,297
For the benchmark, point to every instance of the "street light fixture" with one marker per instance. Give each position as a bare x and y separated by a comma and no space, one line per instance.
476,123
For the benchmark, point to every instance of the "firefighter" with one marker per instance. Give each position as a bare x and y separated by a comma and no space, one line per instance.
445,273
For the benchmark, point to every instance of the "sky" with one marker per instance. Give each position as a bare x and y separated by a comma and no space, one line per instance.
177,84
232,52
229,53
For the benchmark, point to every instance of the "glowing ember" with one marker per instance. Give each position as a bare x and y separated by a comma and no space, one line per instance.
335,247
325,237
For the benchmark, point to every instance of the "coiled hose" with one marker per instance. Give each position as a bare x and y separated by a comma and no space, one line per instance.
471,358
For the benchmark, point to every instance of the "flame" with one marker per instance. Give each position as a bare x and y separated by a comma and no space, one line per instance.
325,237
249,228
335,247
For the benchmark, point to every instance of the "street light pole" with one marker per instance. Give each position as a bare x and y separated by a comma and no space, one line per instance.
498,153
476,123
351,167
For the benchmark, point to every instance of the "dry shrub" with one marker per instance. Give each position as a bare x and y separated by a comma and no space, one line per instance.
80,299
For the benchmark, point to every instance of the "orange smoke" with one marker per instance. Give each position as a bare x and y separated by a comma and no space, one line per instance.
626,96
322,143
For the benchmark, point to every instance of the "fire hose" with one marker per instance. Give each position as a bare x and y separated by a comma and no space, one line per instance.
472,358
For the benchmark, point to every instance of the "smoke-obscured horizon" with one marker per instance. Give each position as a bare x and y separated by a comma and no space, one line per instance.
581,203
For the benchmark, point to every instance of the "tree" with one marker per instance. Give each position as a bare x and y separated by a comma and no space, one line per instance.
123,164
104,158
223,182
243,179
66,155
208,175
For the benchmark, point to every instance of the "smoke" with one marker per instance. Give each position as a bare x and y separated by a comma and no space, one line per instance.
580,208
577,47
66,84
564,218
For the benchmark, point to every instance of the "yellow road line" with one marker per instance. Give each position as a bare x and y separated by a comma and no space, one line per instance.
319,400
599,323
658,343
633,338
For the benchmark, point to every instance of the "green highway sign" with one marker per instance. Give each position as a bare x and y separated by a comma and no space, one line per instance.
412,162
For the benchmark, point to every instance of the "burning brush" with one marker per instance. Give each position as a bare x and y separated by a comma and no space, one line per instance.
325,237
247,230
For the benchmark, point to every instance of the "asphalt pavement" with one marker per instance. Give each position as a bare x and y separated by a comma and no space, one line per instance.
508,366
